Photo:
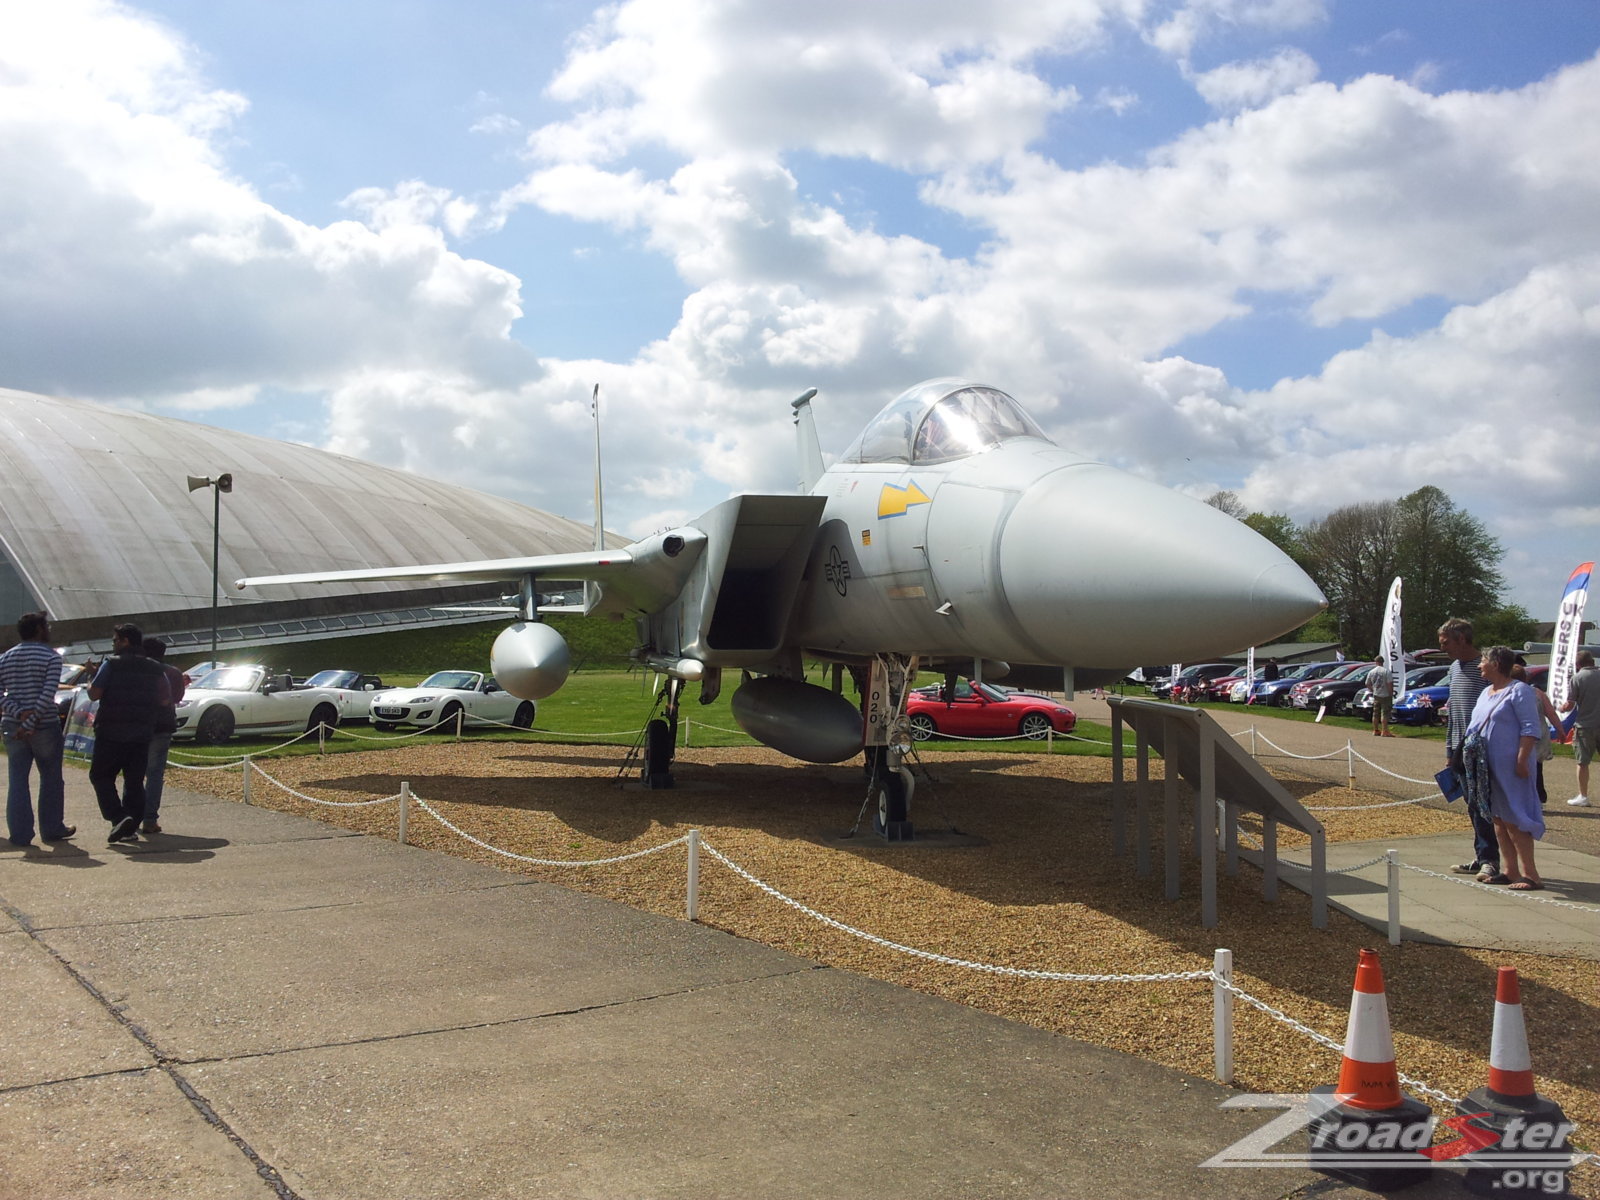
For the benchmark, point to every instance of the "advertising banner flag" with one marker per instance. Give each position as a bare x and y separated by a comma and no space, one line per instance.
1390,648
1569,628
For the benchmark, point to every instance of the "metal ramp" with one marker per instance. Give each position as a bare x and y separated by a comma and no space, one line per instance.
1225,780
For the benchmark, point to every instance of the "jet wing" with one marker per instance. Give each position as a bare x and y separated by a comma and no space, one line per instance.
598,565
642,578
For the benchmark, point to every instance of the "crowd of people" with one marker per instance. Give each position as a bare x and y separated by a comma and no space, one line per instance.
137,694
1497,736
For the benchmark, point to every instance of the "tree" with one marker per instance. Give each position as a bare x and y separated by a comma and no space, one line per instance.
1229,503
1354,554
1449,562
1508,626
1445,556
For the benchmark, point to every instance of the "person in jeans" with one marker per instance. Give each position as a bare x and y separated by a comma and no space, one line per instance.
155,771
1466,684
131,689
29,674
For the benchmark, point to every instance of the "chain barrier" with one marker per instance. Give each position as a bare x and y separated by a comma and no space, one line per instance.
1501,890
988,968
1366,807
299,737
1291,753
298,795
541,862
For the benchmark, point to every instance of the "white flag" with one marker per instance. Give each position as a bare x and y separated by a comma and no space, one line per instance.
1569,627
1391,650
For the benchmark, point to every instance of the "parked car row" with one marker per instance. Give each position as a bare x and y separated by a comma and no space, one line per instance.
253,699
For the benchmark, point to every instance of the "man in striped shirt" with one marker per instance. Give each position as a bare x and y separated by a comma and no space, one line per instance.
29,674
1466,682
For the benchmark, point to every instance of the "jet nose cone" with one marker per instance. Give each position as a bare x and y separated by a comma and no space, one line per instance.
1103,569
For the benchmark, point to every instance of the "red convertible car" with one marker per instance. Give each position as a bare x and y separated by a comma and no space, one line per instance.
981,710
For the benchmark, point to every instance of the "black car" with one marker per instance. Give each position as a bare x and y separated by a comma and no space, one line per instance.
1338,694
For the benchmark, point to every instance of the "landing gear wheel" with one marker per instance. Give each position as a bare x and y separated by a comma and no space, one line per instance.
658,754
215,727
523,717
891,819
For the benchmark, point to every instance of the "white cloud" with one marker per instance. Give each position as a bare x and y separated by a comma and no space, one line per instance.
1194,21
134,263
1247,84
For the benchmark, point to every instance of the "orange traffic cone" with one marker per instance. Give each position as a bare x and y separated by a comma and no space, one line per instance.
1525,1131
1368,1078
1367,1131
1510,1066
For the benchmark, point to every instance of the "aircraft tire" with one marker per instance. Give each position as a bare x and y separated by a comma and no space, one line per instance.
889,816
658,754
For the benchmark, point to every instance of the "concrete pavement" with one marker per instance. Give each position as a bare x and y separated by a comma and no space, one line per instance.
282,1008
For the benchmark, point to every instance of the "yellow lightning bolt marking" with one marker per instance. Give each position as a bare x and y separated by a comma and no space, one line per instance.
893,501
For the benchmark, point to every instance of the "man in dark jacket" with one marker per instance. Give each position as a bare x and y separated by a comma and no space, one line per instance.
131,690
155,772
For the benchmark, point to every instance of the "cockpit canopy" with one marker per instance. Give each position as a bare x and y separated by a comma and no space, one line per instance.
941,420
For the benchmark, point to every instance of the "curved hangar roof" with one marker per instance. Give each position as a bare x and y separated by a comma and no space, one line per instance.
97,525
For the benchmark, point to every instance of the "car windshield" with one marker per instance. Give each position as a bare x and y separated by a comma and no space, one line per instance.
334,679
941,420
462,681
74,674
229,679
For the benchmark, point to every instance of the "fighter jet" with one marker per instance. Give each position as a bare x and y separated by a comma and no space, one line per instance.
953,535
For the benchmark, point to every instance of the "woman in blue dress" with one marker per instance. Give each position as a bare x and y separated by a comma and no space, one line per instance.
1502,740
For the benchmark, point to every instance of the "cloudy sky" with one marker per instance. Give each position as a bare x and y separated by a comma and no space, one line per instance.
1314,251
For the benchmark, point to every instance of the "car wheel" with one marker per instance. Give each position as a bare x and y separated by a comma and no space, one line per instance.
447,718
922,727
323,714
385,726
215,727
1035,726
523,718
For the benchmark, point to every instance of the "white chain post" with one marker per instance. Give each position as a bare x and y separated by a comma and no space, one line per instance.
1394,896
1222,1015
693,905
1253,753
686,746
322,737
247,779
461,716
405,811
1350,759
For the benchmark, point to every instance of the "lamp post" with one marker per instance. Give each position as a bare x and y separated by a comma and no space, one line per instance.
222,483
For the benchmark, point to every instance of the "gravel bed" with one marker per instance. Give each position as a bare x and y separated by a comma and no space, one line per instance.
1026,880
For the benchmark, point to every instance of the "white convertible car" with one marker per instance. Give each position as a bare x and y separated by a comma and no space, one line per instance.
437,700
355,690
251,700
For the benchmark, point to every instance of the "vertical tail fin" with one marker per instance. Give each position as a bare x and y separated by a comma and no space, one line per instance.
810,450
